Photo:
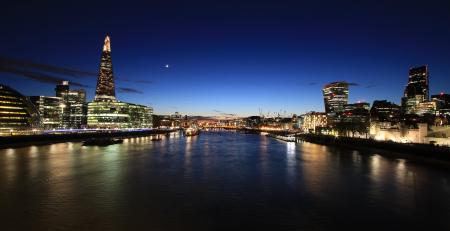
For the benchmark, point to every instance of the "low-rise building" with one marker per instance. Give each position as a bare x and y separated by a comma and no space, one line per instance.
116,114
313,121
438,135
140,116
399,132
427,107
442,103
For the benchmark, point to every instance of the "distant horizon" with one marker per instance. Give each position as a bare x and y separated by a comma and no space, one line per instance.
230,57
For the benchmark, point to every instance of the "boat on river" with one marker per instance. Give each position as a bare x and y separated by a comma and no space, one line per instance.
102,141
191,131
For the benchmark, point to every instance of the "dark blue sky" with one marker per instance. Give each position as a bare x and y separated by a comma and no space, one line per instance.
233,56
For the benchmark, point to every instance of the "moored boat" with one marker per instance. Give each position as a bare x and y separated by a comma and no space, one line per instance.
102,141
191,131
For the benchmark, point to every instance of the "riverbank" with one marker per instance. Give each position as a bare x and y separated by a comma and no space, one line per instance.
42,139
421,151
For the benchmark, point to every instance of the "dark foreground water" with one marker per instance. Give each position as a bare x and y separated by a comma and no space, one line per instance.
217,181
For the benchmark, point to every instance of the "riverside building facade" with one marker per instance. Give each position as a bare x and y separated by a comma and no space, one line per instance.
74,113
66,110
17,113
442,103
314,121
50,109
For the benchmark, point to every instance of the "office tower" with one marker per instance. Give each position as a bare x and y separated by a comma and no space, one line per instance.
74,114
417,89
51,110
335,97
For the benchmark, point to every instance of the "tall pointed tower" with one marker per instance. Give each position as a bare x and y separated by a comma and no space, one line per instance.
105,90
105,112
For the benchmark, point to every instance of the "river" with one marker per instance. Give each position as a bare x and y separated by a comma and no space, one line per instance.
219,180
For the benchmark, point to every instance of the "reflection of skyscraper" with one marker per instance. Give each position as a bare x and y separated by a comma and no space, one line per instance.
335,96
105,90
417,90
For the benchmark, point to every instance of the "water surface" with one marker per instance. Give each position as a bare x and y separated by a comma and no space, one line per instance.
217,181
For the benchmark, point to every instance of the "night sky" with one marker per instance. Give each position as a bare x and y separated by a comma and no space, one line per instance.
227,56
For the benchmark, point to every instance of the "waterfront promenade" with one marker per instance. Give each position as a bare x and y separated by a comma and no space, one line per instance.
74,136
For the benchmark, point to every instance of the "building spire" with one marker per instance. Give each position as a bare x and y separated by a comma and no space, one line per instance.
107,44
105,90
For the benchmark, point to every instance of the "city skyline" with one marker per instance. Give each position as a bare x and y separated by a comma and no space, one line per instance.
225,115
241,68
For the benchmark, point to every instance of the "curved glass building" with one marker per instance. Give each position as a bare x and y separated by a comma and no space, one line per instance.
335,96
17,113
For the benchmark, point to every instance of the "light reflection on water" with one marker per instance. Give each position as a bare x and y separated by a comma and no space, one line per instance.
217,180
291,162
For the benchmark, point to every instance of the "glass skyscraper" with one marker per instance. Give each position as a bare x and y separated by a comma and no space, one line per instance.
105,90
335,96
75,107
51,111
417,90
106,111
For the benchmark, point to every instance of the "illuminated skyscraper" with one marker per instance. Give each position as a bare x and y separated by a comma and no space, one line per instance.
335,96
106,111
105,90
417,90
